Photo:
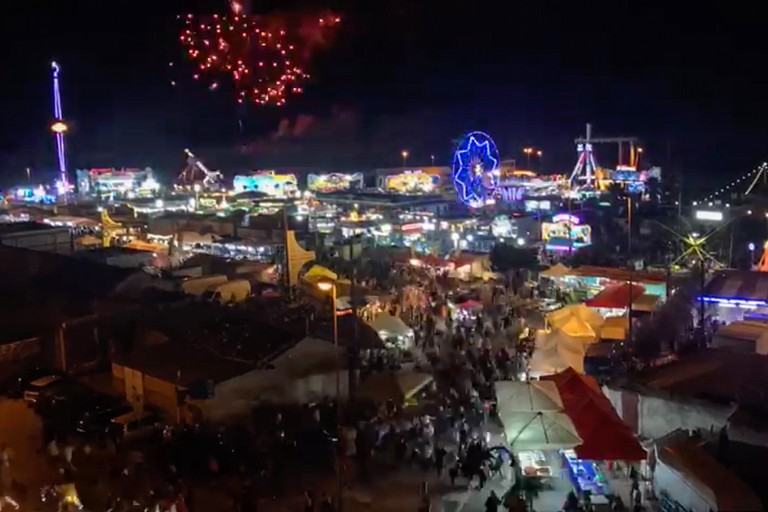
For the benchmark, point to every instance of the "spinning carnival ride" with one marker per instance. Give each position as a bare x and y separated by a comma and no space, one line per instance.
475,170
197,173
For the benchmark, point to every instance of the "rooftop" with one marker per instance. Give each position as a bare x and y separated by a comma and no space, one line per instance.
715,375
183,364
23,227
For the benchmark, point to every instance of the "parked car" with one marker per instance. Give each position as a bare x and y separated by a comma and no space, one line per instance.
38,387
13,385
133,425
96,420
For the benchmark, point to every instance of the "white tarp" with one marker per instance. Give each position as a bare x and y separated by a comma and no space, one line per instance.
527,396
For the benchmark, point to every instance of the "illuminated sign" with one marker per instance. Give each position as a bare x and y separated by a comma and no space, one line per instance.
503,227
534,206
565,231
512,194
412,182
566,218
334,182
269,183
709,215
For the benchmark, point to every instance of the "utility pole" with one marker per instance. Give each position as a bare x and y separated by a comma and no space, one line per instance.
352,348
631,266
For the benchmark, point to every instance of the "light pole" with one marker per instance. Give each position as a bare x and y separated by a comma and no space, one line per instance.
404,153
29,176
631,266
330,286
433,160
637,158
528,152
538,155
751,248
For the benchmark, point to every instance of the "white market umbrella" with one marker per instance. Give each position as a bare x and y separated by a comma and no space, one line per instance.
540,431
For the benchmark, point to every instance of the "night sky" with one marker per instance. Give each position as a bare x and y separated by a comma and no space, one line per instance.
400,74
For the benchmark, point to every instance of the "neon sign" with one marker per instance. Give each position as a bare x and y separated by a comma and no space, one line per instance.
566,218
334,182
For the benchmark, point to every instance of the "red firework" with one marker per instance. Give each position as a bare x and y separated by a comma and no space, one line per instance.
264,57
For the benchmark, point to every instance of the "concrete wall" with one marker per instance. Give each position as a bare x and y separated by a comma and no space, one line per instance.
19,350
659,415
666,480
58,240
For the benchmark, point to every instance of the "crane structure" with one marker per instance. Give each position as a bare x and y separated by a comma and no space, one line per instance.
196,172
583,175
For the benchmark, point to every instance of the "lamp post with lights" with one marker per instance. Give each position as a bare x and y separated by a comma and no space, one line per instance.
330,286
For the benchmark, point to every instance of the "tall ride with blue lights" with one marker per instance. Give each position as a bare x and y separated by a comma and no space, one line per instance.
59,127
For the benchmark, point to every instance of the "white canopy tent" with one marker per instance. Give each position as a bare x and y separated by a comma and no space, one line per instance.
540,431
533,417
556,351
561,317
393,331
526,396
556,271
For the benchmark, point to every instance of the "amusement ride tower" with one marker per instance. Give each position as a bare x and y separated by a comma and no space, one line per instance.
59,128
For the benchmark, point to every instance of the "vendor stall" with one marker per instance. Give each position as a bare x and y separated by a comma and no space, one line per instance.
534,463
393,332
586,476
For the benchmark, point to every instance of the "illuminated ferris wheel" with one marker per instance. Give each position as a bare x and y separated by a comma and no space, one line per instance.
476,169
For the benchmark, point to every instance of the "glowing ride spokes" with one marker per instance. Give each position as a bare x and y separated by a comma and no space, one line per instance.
475,169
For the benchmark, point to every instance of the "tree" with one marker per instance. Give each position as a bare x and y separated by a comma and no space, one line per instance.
507,258
510,260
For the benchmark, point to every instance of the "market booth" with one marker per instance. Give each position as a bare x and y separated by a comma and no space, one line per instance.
614,300
586,281
393,332
605,438
535,426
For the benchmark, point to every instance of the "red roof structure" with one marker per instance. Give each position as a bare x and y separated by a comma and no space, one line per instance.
605,436
616,296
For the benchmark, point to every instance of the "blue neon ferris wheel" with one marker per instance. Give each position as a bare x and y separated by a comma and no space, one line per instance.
476,169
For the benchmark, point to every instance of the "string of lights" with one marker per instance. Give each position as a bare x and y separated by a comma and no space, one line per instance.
754,174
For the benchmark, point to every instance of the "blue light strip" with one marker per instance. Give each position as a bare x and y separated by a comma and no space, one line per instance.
734,301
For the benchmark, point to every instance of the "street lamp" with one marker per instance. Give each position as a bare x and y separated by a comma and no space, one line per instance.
751,248
330,286
404,153
528,152
433,160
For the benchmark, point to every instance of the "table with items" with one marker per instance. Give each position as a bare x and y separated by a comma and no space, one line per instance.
586,476
534,463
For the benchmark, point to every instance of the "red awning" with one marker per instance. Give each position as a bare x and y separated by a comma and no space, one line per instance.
605,436
616,296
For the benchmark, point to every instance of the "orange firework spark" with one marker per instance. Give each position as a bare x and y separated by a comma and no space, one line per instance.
264,57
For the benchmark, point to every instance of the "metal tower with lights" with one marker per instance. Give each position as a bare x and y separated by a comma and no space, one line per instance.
59,127
583,175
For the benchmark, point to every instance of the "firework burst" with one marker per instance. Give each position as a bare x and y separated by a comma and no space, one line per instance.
263,58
